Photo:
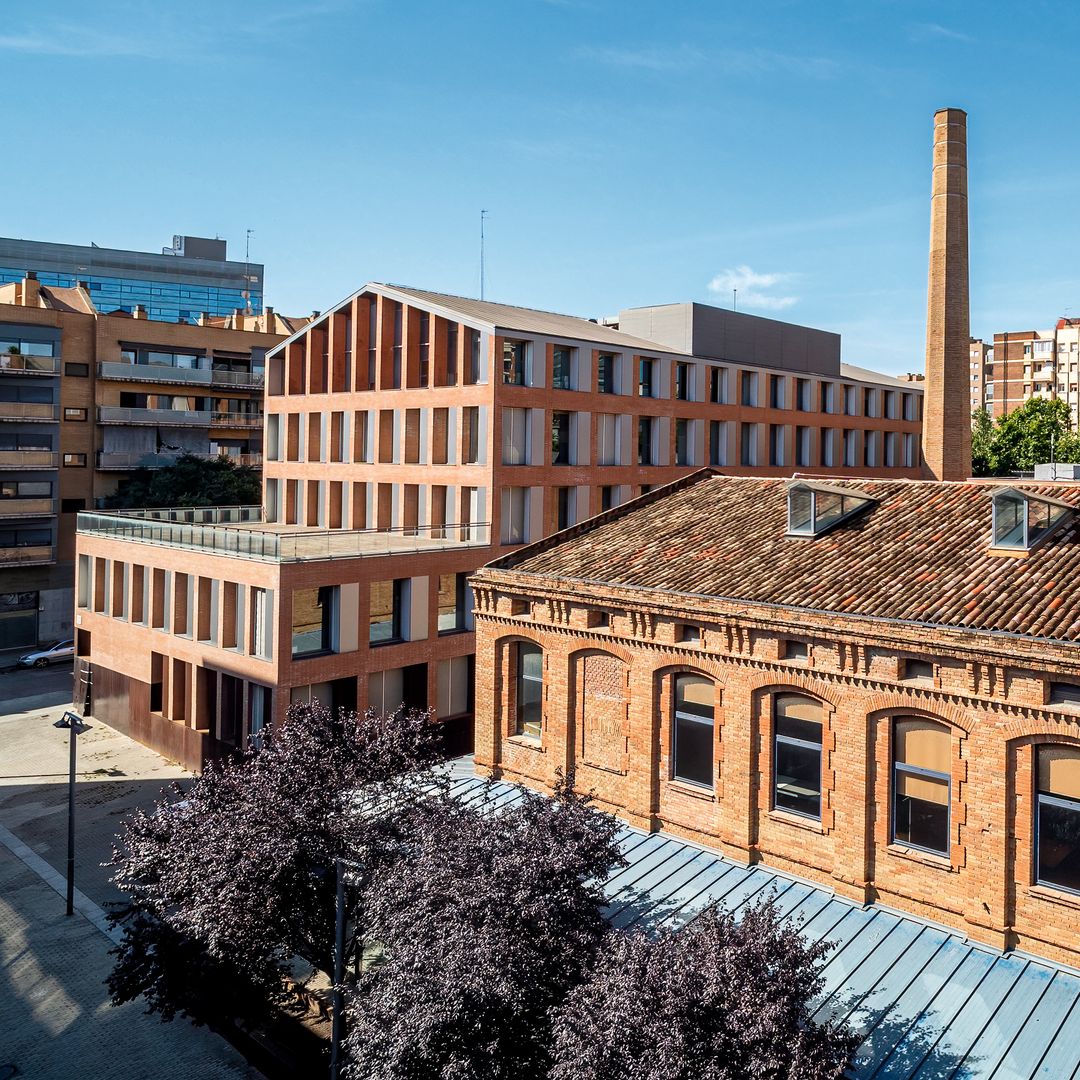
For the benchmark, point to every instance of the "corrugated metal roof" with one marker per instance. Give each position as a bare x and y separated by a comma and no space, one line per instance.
929,1003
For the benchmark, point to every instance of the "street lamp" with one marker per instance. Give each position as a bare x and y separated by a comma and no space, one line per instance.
342,868
75,726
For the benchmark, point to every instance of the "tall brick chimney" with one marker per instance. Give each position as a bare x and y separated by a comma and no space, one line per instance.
946,393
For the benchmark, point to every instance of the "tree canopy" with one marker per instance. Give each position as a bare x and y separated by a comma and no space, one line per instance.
192,481
1038,431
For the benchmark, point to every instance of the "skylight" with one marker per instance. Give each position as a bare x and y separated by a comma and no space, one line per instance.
814,509
1022,520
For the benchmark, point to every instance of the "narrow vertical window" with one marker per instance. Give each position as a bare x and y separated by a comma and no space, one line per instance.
693,730
921,784
797,724
530,690
1057,827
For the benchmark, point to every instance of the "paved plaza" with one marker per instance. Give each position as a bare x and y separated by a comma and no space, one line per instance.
55,1017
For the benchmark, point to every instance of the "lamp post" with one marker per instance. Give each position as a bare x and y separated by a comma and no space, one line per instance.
342,868
75,726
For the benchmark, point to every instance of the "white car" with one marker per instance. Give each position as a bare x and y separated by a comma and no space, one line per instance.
57,651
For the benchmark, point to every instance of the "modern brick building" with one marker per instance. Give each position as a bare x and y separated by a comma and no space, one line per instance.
1028,364
411,437
982,375
86,396
874,685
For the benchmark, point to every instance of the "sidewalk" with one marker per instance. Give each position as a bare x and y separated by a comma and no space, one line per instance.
55,1018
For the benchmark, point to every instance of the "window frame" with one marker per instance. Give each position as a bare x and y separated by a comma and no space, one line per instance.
522,648
1061,802
918,771
792,741
678,715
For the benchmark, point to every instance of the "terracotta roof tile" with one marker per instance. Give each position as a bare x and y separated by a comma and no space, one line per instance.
921,554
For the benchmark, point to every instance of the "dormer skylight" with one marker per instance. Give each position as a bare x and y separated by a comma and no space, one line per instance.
1023,519
814,509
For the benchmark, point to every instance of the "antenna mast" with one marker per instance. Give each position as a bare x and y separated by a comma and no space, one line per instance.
483,214
247,271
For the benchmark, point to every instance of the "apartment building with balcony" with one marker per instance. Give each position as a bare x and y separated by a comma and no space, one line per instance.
410,437
981,363
87,396
1026,364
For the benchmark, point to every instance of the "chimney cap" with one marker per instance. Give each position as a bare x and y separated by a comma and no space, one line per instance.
315,313
31,275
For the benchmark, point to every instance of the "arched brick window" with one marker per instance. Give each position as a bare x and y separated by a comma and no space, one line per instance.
529,687
798,722
693,729
1057,822
921,784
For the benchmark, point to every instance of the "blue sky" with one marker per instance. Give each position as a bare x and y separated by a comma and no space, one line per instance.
627,153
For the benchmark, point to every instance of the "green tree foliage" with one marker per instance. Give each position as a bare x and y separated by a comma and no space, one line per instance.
1038,431
192,481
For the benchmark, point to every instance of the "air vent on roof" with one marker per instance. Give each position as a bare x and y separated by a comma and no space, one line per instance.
814,509
1022,519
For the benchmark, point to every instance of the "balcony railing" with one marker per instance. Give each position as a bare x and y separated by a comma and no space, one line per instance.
134,460
236,378
29,459
27,556
29,365
237,420
25,508
239,531
111,369
114,414
28,410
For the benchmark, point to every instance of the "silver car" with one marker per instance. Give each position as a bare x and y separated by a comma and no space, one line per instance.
53,654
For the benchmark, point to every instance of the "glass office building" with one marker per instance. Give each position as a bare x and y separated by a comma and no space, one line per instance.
188,278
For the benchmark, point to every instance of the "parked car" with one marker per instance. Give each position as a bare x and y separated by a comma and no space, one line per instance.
53,654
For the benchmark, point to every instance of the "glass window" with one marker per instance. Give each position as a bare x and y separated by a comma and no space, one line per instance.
794,650
1064,694
514,363
561,369
682,442
515,437
605,373
384,617
75,461
718,386
560,438
718,437
918,670
748,382
530,689
312,615
74,414
452,594
776,391
693,729
644,440
921,784
645,377
797,754
802,395
564,516
80,371
1057,826
682,382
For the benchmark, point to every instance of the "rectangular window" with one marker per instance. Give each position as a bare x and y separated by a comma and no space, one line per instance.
794,650
76,415
564,508
828,397
682,442
474,356
515,506
451,353
78,371
921,784
384,613
718,437
748,384
607,441
682,382
75,461
607,497
530,690
605,373
693,730
748,444
776,444
562,362
514,363
850,401
312,620
797,755
1057,827
425,348
396,355
470,434
646,385
560,439
452,593
802,446
776,391
718,386
645,440
515,436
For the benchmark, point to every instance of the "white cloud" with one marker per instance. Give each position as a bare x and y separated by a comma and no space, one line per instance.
70,40
642,59
921,31
751,287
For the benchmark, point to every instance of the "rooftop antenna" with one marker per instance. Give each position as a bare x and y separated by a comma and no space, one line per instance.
483,214
734,299
247,271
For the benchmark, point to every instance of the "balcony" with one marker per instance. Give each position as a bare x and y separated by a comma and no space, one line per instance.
29,410
27,508
239,531
116,414
18,364
157,373
29,459
237,420
27,556
248,379
124,460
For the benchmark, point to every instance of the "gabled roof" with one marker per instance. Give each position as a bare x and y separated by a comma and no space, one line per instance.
922,554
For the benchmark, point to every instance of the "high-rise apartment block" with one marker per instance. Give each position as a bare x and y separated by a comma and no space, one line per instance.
410,438
1030,364
87,396
190,277
981,357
